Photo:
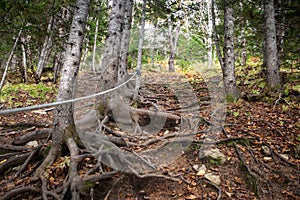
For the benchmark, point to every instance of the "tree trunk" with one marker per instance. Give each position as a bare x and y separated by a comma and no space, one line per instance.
95,45
174,35
140,52
45,51
228,68
210,35
281,32
215,35
111,55
24,60
244,45
270,56
63,124
9,60
122,71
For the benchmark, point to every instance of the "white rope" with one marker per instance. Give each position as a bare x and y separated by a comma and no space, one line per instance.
35,107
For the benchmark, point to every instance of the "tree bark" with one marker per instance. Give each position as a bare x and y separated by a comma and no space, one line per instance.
140,52
63,123
95,46
215,35
45,51
111,56
174,35
24,60
9,60
122,71
270,56
210,34
229,68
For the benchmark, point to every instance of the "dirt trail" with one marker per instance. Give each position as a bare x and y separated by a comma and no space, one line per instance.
260,142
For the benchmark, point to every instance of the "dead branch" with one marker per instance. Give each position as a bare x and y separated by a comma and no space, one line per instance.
25,124
14,148
9,195
13,132
14,161
35,135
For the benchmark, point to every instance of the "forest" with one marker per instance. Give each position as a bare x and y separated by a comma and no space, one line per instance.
149,99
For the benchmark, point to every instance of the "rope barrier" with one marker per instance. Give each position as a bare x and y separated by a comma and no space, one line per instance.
35,107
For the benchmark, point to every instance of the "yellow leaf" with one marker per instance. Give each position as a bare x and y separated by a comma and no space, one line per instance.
3,161
51,180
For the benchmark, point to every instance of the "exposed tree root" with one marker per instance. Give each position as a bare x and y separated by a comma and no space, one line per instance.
35,135
9,195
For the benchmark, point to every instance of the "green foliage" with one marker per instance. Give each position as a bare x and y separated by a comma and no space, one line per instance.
214,161
16,95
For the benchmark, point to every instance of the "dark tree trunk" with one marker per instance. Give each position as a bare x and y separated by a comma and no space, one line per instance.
229,68
270,49
110,62
122,71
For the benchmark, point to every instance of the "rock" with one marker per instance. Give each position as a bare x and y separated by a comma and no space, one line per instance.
196,167
213,178
214,154
202,170
266,150
32,143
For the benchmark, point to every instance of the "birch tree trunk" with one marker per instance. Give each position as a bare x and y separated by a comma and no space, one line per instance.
174,35
95,46
140,52
9,60
210,35
63,124
45,51
122,71
229,68
24,60
215,35
270,56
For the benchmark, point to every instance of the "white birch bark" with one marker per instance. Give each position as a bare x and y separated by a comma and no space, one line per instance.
95,46
215,35
140,51
24,60
9,60
173,40
210,35
45,50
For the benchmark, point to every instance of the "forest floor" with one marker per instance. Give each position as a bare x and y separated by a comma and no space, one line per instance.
259,139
